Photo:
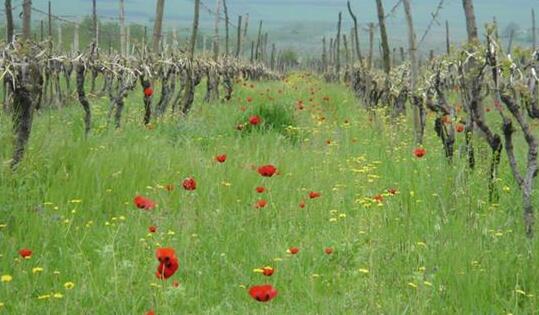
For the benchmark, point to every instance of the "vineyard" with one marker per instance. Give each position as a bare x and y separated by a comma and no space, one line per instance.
159,176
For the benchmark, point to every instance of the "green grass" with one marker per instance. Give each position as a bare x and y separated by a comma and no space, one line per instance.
437,247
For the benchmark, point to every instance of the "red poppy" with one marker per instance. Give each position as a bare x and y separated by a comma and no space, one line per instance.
267,170
263,293
260,189
150,312
221,158
189,184
261,204
378,198
168,263
142,202
328,250
420,152
302,204
392,191
293,250
268,271
148,92
460,128
314,194
25,253
152,229
249,99
255,120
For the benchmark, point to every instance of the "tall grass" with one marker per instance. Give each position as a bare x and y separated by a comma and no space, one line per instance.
436,247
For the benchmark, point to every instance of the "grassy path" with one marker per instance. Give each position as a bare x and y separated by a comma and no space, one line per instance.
409,236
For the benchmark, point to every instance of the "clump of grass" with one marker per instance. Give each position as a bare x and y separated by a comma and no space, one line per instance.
274,117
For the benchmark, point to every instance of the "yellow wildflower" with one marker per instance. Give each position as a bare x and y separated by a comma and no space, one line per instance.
44,297
69,285
6,278
37,269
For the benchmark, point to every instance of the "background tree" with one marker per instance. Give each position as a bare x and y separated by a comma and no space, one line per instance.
158,25
188,95
383,36
9,21
355,34
471,25
412,51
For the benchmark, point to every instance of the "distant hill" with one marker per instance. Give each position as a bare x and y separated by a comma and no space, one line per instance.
301,23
